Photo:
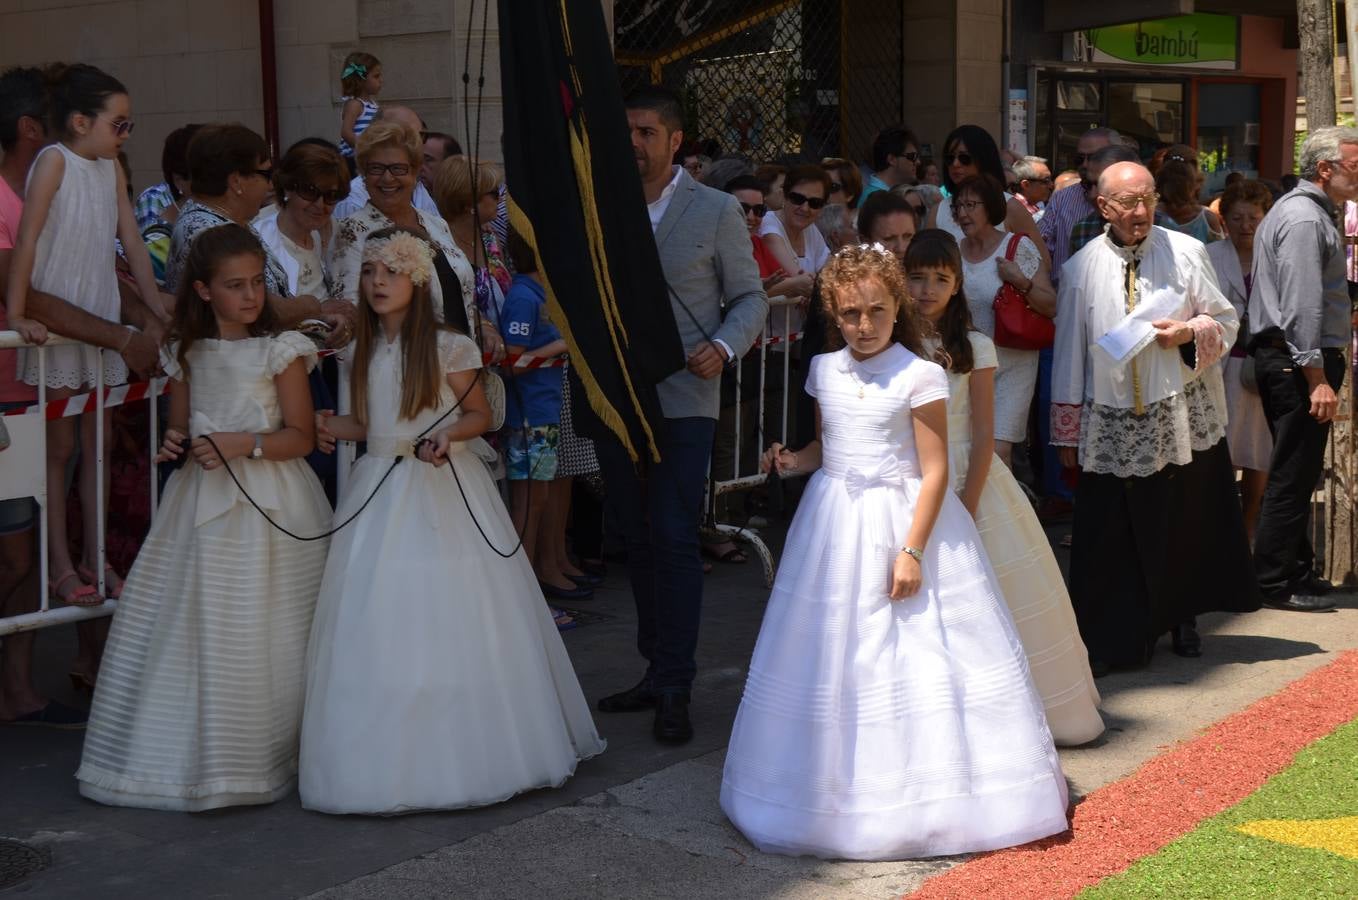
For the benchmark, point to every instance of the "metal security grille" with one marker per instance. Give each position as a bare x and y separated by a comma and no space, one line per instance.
796,78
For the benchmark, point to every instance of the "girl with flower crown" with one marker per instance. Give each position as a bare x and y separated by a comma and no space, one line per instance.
436,678
888,712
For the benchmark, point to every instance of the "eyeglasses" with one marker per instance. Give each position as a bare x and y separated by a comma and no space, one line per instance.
912,155
1129,202
266,174
963,159
377,170
757,208
796,199
967,206
123,127
836,186
310,193
1047,180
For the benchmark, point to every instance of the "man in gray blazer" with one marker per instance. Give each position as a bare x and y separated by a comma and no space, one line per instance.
720,307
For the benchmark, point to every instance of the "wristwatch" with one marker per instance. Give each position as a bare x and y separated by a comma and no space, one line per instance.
258,452
916,552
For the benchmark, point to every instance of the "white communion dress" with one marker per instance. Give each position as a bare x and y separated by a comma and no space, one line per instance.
199,700
877,729
1029,577
436,678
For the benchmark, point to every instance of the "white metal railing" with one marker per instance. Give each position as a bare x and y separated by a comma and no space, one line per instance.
778,341
23,473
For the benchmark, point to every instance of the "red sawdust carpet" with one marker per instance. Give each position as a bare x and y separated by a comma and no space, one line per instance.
1122,822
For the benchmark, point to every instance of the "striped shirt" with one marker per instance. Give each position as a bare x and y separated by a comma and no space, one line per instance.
365,118
1065,208
151,203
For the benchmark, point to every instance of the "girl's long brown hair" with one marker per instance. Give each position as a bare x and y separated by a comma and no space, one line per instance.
934,248
855,264
421,375
194,319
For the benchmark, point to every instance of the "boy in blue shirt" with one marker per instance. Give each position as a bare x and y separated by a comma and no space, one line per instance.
532,411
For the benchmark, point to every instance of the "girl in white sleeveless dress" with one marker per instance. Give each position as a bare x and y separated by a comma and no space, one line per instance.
199,702
75,205
1013,538
888,712
436,678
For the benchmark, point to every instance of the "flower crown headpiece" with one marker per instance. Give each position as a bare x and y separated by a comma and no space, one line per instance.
405,253
355,69
875,247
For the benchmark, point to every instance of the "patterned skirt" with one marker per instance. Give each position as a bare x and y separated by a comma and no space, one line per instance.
575,454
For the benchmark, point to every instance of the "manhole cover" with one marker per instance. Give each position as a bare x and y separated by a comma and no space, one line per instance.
18,860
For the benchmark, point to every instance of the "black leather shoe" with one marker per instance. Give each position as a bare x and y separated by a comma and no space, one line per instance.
1301,603
586,580
557,593
672,725
634,699
1185,640
1315,585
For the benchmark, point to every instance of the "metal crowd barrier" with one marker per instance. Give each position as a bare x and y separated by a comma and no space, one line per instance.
779,341
23,473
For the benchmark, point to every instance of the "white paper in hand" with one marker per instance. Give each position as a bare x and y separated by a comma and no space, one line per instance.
1134,333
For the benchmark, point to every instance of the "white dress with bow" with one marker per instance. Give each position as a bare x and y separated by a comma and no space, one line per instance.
199,702
879,729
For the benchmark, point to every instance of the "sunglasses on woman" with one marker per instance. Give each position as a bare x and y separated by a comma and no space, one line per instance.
963,159
122,127
797,199
310,193
757,208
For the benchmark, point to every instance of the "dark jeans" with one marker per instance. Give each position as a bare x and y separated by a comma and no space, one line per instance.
659,512
1283,556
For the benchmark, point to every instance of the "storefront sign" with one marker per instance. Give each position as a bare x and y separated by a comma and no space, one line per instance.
1200,41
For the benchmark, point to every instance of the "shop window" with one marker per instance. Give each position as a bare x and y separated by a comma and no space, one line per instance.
1228,132
1151,112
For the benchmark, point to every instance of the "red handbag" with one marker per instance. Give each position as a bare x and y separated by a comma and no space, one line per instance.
1017,325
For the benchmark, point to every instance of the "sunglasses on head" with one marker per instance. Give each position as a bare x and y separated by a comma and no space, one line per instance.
963,159
757,208
310,193
796,199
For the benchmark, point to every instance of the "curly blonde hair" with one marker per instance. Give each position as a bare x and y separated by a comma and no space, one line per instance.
866,262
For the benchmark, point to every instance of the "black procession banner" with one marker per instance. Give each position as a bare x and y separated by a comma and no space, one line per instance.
575,195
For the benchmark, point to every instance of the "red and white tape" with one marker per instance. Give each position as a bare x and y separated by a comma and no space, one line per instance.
780,339
122,394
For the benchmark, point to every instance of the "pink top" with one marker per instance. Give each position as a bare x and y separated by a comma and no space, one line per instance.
11,210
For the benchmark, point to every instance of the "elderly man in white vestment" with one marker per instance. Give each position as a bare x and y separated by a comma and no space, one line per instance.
1139,406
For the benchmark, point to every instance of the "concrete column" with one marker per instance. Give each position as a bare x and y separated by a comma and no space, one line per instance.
952,66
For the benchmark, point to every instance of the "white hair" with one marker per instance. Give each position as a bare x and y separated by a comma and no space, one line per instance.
1026,168
833,219
1322,145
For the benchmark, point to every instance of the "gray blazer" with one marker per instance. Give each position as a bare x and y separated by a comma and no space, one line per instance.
707,257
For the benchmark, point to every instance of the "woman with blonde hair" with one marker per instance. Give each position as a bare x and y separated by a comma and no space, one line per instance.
467,194
389,158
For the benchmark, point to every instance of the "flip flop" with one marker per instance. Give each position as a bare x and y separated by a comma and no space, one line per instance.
88,576
734,556
84,590
563,619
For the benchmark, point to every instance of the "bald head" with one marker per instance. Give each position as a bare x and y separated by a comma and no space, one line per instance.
401,115
1125,178
1127,201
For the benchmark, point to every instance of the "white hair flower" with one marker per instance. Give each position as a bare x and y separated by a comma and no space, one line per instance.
405,253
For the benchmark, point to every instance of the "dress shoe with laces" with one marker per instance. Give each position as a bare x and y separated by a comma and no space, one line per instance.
672,725
636,698
1302,603
1185,640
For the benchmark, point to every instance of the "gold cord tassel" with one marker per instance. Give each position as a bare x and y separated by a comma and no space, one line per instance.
1131,305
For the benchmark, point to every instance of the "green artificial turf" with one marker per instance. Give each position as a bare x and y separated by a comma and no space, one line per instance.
1216,861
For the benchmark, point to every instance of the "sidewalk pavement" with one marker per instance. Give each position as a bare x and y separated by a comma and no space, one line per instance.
640,821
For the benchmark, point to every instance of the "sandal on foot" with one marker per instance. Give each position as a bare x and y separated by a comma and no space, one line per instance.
88,576
735,555
75,598
563,619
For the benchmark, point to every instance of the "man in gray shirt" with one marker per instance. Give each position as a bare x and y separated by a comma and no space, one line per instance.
1299,319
